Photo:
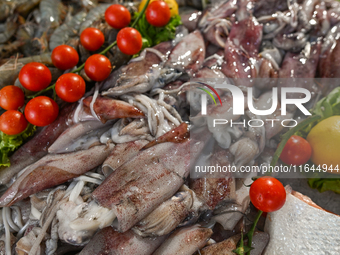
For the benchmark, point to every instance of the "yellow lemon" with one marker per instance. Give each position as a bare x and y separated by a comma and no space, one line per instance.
172,5
325,141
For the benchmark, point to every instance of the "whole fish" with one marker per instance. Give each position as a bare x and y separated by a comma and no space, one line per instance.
302,227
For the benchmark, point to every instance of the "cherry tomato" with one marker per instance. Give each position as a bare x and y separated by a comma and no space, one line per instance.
117,16
92,39
35,76
12,122
297,151
158,13
70,87
64,57
129,41
11,98
41,111
97,67
267,194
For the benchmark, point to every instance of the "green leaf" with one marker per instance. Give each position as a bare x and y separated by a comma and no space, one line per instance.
326,107
9,143
325,184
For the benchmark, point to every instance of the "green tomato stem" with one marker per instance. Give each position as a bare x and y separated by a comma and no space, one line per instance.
78,69
252,230
140,14
41,91
106,49
102,53
291,132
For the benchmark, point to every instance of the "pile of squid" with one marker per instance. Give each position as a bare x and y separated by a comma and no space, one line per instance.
111,174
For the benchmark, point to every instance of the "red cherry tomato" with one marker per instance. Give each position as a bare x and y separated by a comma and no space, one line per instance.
297,151
97,67
12,122
11,98
129,41
41,111
92,39
267,194
64,57
117,16
70,87
158,13
35,76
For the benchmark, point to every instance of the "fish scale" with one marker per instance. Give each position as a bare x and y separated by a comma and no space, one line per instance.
299,228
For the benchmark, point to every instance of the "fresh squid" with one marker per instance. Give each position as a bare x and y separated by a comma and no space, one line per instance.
328,63
240,52
239,65
229,214
245,9
153,69
215,24
82,135
247,35
188,54
248,147
217,32
185,241
53,170
121,154
110,242
213,188
225,247
132,191
175,135
166,217
130,207
107,109
141,74
187,205
190,19
181,59
268,7
302,65
161,117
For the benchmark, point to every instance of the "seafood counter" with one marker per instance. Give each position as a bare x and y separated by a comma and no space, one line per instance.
112,173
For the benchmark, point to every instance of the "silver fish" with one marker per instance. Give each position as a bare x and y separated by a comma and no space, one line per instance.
302,227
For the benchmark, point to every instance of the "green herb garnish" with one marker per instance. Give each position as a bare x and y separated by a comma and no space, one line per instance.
9,143
154,35
324,184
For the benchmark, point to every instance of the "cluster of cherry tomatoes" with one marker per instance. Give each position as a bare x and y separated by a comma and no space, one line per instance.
39,111
70,87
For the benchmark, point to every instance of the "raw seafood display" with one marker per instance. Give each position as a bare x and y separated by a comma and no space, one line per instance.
111,172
